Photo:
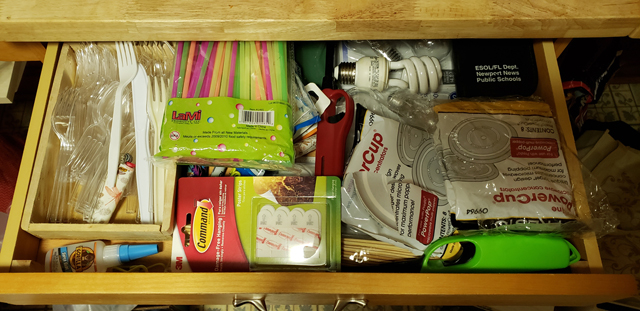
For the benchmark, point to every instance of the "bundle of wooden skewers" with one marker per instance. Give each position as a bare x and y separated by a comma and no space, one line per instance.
365,252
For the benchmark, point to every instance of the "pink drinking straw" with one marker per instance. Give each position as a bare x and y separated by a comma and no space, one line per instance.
176,74
206,83
195,73
265,63
216,92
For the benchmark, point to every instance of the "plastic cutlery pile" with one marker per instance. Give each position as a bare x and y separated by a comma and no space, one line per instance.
111,107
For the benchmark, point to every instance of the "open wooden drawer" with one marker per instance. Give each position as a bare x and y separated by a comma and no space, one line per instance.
584,286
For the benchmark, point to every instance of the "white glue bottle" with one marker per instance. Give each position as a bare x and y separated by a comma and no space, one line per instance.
94,256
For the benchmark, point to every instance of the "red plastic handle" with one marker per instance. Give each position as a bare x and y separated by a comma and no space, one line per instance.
330,146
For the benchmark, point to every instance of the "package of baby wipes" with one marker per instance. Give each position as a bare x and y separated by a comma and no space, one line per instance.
224,131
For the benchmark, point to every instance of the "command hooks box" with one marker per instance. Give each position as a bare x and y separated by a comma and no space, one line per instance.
123,226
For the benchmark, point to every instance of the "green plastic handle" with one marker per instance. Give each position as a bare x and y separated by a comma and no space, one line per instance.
444,241
575,255
507,253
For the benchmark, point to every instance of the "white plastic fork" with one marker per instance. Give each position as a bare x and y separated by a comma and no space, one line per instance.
157,102
127,69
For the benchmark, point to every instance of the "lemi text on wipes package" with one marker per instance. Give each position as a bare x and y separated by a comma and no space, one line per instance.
228,132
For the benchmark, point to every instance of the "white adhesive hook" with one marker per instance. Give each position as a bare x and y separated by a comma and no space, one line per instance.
323,101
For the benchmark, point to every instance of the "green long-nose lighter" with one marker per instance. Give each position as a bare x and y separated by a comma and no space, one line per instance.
506,252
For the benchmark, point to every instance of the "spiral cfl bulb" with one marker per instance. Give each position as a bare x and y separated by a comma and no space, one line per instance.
420,74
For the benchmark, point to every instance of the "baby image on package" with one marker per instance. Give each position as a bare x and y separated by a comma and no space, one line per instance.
227,131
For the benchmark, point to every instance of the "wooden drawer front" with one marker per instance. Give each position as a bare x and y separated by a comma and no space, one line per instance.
317,288
585,286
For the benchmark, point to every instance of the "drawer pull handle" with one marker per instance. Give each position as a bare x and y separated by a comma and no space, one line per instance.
258,303
341,303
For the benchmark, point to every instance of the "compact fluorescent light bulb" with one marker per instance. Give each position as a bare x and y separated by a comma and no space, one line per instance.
420,74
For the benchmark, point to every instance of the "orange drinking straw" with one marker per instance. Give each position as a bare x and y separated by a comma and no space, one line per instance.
261,61
216,93
187,75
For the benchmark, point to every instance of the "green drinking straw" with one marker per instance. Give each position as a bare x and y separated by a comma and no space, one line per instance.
272,68
203,70
276,66
224,82
239,76
245,83
282,48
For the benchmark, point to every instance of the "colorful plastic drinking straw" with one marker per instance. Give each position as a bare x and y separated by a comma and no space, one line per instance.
176,74
187,75
252,70
232,68
239,65
206,83
245,83
217,71
275,93
195,59
224,82
220,70
282,47
257,74
183,67
201,68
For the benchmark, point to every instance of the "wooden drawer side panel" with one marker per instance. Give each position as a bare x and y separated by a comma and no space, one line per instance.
13,231
550,88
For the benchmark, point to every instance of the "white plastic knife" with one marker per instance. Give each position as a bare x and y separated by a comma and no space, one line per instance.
143,164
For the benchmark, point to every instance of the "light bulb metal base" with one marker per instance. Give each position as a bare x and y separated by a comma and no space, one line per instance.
345,73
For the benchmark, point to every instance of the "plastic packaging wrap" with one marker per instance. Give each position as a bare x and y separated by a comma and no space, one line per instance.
414,220
422,66
505,169
386,49
398,164
229,106
305,114
603,218
305,146
399,105
437,48
503,163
